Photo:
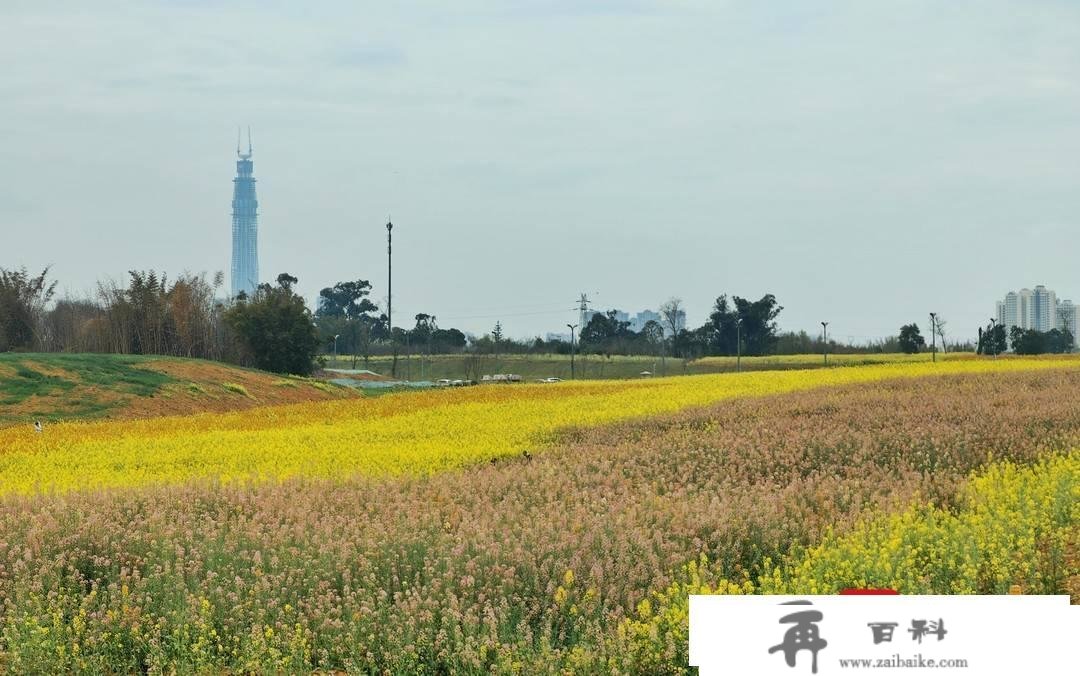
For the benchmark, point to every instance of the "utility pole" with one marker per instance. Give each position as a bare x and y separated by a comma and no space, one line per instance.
572,327
825,341
430,340
933,335
390,295
583,321
738,344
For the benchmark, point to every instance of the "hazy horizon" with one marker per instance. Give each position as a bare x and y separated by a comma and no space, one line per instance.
866,163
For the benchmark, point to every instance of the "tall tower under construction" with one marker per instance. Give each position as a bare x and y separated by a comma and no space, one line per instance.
245,225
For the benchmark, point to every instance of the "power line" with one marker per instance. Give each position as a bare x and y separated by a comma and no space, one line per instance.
508,314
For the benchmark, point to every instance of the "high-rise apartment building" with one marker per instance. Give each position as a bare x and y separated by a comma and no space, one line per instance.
1044,309
245,226
642,318
1026,318
1037,309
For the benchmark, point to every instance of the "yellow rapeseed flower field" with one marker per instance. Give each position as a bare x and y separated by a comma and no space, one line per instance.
1012,531
409,434
804,360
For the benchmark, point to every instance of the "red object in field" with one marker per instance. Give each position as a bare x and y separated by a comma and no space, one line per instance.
868,592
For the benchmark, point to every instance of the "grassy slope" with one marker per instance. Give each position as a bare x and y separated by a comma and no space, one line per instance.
68,386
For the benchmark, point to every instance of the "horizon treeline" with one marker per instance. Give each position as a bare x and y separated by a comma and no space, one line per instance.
184,316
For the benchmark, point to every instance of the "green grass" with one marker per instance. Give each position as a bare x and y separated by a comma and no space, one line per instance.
236,389
52,387
24,376
27,383
112,371
528,367
533,366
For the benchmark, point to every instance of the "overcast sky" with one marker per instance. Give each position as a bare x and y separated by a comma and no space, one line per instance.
866,162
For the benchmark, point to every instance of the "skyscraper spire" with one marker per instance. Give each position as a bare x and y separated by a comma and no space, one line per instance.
245,225
240,153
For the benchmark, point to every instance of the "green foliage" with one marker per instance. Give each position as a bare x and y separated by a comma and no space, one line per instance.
345,311
992,340
605,333
911,341
1030,341
276,329
346,299
751,322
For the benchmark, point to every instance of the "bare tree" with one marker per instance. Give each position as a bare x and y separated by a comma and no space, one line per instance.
23,298
674,318
939,328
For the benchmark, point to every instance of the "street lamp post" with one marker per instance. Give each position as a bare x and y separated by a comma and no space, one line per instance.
572,327
933,335
993,326
336,335
390,296
825,341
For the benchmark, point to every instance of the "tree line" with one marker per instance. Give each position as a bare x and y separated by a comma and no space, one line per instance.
151,314
276,331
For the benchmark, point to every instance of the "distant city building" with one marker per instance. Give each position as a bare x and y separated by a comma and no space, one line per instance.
1044,309
245,226
619,315
642,318
1025,305
638,321
552,337
680,321
1037,309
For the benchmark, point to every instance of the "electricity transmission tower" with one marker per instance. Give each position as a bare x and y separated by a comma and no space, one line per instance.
583,307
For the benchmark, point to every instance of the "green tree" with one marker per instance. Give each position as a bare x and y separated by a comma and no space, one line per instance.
754,322
992,340
448,340
911,341
275,328
606,333
497,336
345,310
1030,341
